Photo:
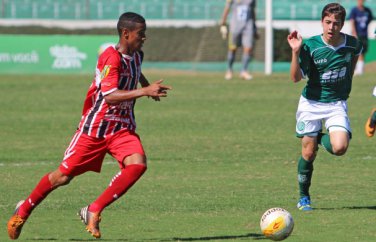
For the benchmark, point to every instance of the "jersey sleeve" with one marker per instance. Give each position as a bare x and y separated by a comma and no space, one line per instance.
304,60
110,74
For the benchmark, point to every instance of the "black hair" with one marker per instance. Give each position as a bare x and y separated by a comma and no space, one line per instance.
129,20
334,8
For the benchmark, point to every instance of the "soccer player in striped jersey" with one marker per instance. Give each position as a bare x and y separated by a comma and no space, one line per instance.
107,126
328,62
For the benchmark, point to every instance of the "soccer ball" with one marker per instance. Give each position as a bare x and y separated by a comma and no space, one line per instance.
276,224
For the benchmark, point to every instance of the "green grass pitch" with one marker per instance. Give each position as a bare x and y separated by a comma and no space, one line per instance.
220,153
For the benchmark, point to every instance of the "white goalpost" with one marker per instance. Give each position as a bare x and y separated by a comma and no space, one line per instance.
268,37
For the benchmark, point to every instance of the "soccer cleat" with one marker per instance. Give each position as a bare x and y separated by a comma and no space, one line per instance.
228,75
369,128
304,204
245,75
91,220
15,223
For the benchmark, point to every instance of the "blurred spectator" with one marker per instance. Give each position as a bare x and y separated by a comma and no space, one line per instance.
360,18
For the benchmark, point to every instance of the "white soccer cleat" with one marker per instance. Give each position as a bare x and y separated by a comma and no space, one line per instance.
228,75
245,75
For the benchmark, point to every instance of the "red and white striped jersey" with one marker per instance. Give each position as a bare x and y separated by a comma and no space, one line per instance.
114,71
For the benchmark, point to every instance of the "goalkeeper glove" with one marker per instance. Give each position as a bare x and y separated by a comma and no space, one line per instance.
224,31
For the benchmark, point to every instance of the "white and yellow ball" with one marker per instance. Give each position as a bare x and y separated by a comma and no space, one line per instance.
276,224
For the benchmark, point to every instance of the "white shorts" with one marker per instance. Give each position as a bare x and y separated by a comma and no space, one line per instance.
311,114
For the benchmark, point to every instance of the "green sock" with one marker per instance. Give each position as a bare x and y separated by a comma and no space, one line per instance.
324,140
305,170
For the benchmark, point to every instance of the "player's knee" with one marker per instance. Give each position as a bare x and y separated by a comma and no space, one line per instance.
63,180
309,155
339,150
309,151
135,159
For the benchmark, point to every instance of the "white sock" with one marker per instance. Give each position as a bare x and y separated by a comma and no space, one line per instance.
360,67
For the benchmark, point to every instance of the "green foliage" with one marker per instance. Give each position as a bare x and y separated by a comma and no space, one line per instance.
282,50
220,153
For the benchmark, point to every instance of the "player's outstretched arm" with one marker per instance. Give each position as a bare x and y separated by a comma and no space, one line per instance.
144,83
155,90
295,41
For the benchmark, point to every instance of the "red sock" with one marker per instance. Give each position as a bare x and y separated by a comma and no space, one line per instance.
118,186
41,191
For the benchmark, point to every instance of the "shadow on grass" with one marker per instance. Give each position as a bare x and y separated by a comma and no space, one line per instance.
99,239
361,207
224,237
352,207
41,239
253,236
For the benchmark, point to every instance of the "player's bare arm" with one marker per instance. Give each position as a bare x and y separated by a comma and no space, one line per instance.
156,89
226,11
353,28
295,41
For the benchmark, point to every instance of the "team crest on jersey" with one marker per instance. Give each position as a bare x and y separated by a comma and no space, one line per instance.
105,71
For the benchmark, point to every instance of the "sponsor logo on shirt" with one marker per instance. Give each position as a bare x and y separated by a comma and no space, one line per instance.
125,105
320,61
334,75
109,117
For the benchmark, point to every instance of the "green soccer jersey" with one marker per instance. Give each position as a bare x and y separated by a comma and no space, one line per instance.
328,68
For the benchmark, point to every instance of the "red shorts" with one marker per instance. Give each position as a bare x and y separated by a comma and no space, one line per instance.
86,153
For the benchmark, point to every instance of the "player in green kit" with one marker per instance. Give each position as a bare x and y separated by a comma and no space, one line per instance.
327,61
